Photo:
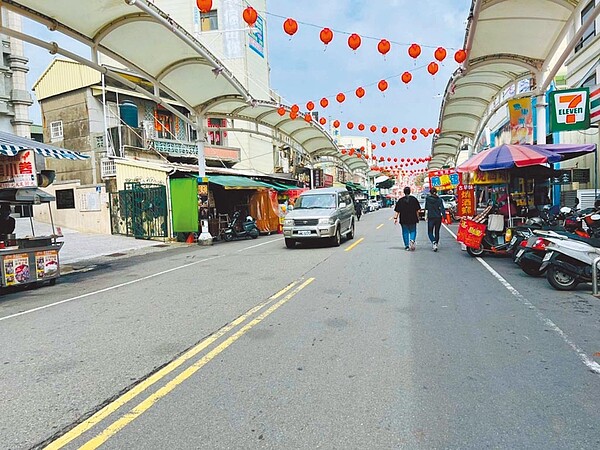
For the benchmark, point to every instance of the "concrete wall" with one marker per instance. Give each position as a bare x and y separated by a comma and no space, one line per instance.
91,213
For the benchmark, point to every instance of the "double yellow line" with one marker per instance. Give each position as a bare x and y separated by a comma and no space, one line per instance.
146,404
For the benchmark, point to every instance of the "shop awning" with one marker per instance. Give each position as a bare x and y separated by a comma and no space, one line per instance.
10,145
25,195
233,182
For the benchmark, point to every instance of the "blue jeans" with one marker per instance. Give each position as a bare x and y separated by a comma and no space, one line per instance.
409,233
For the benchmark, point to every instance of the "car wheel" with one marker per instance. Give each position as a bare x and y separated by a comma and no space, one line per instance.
561,280
350,234
337,239
290,243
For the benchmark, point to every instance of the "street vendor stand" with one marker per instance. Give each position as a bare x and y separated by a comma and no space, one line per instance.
512,160
28,259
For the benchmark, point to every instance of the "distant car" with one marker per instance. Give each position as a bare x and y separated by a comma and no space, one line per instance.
422,210
449,200
373,205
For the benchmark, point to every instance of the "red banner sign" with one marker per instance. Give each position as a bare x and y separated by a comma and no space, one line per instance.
466,200
18,171
471,233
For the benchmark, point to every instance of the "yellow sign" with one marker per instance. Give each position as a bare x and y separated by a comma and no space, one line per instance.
493,177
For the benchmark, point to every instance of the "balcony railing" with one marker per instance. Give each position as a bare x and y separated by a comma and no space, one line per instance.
138,138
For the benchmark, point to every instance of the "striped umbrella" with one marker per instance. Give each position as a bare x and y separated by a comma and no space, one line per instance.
10,145
507,156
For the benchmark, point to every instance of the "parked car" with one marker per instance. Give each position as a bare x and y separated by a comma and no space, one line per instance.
449,201
373,205
326,213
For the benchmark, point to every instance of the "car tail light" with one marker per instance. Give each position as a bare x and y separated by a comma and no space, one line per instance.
540,244
523,243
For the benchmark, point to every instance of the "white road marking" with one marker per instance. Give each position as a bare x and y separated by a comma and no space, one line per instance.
89,294
262,243
590,363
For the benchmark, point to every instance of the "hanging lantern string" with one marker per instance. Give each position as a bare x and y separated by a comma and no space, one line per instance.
347,33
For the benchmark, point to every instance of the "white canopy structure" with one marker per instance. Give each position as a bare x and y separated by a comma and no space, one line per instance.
146,40
506,40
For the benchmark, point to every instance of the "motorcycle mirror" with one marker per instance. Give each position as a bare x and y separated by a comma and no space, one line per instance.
565,210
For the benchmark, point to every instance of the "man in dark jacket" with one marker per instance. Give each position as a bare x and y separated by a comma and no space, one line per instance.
407,211
435,211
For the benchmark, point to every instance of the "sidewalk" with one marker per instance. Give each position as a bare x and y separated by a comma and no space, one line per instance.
85,246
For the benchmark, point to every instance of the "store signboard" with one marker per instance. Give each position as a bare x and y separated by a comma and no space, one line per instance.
570,109
521,121
18,171
257,37
595,104
327,180
466,200
444,179
317,178
492,177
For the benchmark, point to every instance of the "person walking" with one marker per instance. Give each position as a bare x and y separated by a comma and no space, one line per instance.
407,213
434,207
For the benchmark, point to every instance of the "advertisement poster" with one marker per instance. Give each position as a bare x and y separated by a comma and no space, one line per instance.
444,179
257,37
46,263
471,233
16,269
570,110
18,171
466,200
521,121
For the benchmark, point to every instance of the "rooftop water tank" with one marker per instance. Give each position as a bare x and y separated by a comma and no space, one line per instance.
129,113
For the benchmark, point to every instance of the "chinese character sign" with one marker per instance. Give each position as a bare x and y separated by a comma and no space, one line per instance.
521,121
570,109
444,179
18,171
466,200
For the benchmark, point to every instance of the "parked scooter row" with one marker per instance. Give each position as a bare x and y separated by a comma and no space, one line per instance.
235,230
564,255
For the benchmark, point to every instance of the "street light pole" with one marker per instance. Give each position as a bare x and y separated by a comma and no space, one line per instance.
205,237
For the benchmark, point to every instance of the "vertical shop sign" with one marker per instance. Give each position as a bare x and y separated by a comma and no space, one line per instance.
257,37
521,121
16,269
327,180
466,200
595,104
570,109
444,179
318,178
18,171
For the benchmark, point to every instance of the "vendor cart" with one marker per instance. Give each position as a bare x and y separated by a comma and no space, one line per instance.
28,259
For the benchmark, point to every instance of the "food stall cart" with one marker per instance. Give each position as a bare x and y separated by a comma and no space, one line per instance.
28,259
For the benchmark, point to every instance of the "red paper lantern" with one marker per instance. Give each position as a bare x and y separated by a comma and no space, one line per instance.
433,68
384,46
373,128
395,130
340,97
281,110
437,131
430,131
393,142
460,56
406,77
310,106
395,159
350,125
361,126
414,51
413,131
360,92
351,152
344,151
326,36
383,144
204,5
293,115
373,146
324,102
404,130
382,85
381,159
290,26
354,41
295,108
336,123
440,54
389,159
414,137
250,16
322,120
307,117
402,140
401,159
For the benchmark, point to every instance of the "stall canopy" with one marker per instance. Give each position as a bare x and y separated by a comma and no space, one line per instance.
25,195
505,42
233,182
508,156
10,145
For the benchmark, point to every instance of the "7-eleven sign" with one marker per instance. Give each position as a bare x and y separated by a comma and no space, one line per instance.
570,110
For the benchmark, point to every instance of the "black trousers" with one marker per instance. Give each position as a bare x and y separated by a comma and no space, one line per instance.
433,229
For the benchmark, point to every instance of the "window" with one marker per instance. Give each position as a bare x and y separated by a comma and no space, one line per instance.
65,199
56,130
590,81
216,136
209,21
591,31
163,124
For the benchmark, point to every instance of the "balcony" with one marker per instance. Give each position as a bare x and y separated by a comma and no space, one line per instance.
139,138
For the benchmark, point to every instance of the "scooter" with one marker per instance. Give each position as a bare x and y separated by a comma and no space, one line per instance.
569,261
248,228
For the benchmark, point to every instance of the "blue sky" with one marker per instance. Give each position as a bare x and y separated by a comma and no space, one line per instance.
302,70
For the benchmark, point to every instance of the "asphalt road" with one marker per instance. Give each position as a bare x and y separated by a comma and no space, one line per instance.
250,345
